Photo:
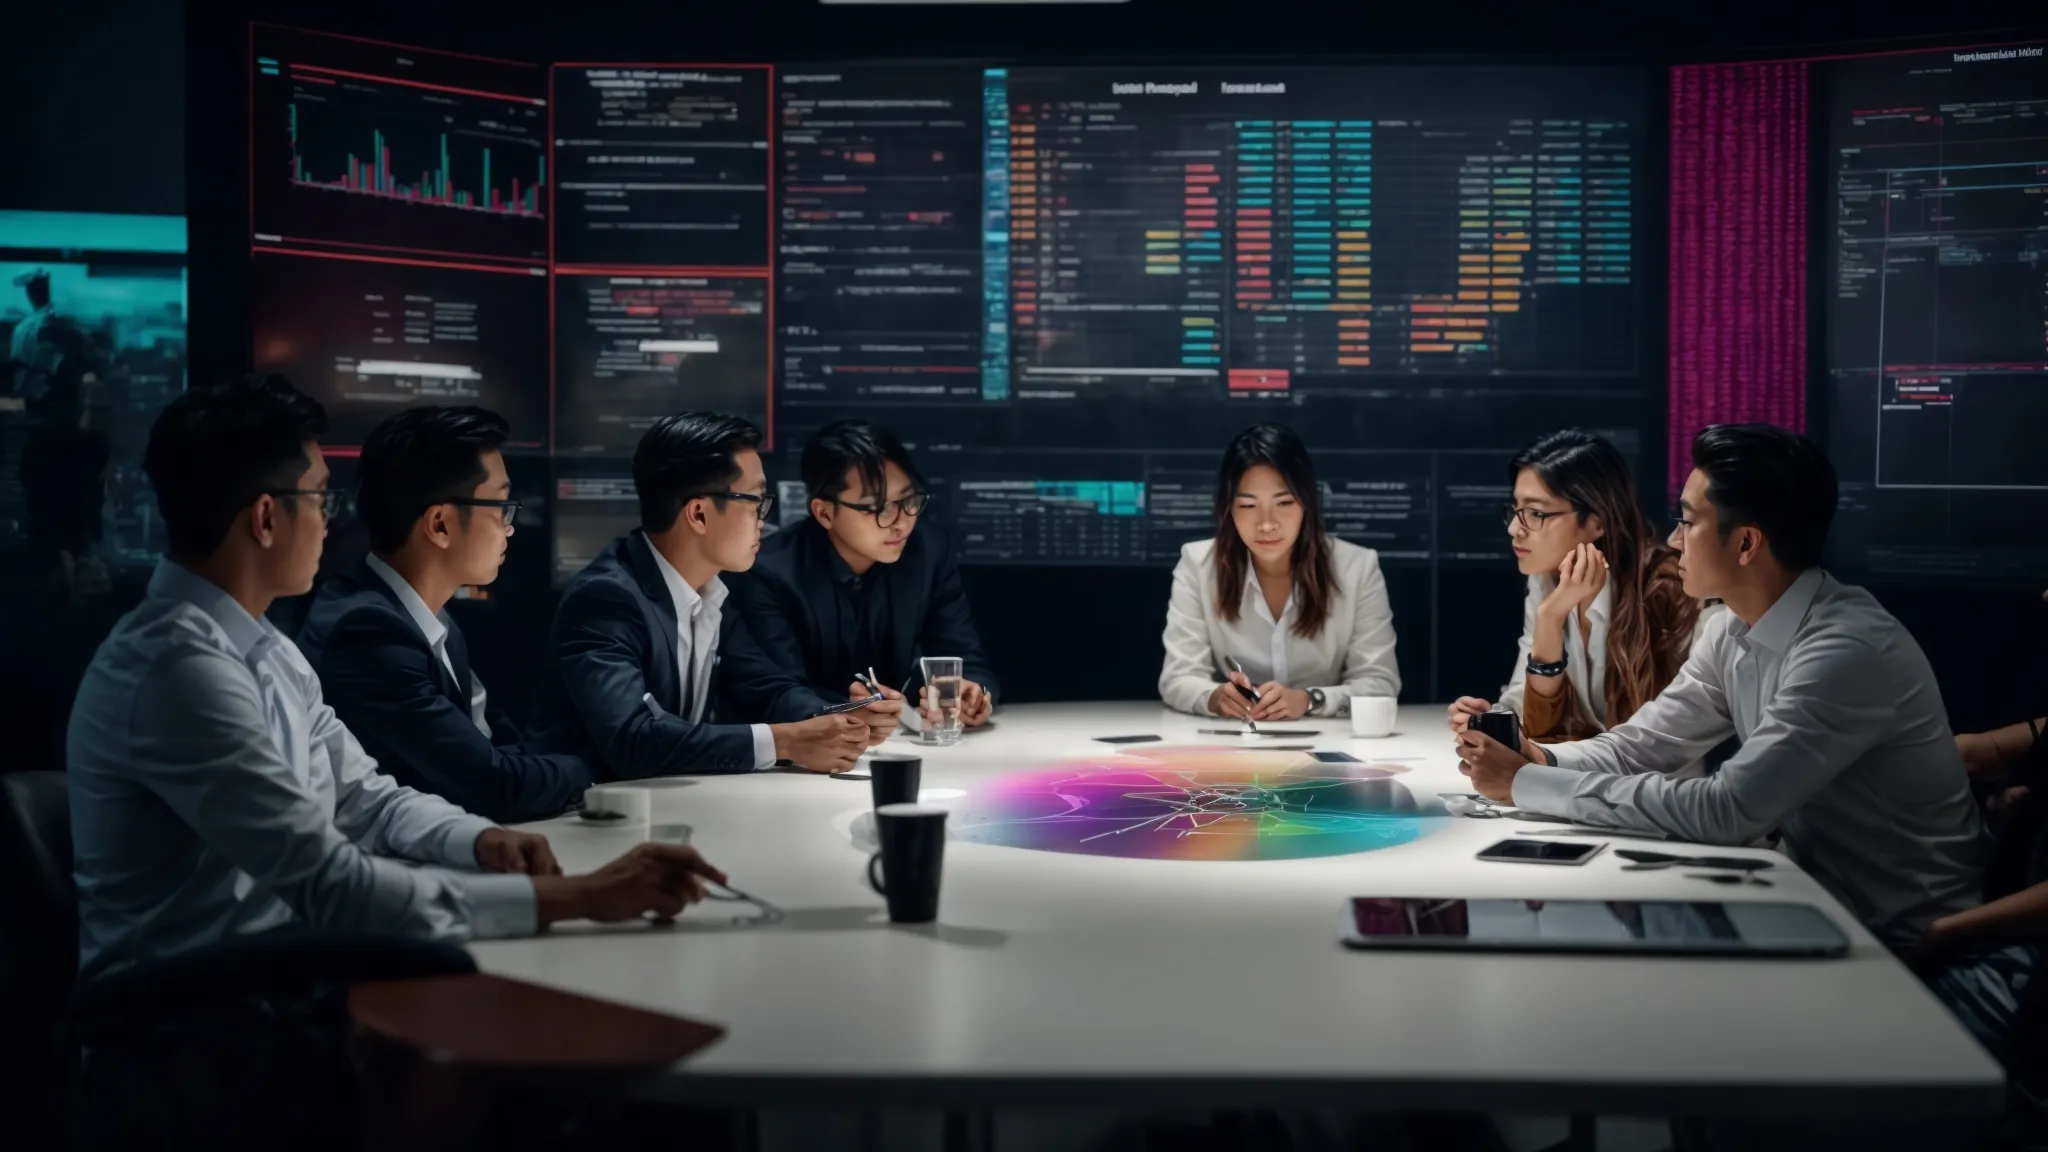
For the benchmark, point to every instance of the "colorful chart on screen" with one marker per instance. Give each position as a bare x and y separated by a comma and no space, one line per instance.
1199,803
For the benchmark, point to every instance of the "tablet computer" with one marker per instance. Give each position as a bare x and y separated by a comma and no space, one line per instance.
1663,927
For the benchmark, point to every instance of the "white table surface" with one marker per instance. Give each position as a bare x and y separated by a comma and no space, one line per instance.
1060,980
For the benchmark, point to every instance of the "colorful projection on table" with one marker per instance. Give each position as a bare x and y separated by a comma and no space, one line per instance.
1199,803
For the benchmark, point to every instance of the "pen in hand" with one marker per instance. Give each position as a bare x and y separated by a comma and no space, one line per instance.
1248,693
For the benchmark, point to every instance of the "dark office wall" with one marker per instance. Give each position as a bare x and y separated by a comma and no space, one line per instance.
94,119
108,114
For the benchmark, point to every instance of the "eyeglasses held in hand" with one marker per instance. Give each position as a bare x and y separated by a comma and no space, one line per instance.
764,502
888,514
1471,805
765,913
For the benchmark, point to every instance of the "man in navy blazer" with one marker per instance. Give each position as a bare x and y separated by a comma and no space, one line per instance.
643,662
433,493
862,583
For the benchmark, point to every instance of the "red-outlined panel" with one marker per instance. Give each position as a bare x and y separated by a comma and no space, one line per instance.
342,152
699,310
765,270
369,336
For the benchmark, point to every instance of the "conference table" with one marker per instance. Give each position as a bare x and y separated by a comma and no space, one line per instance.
1068,979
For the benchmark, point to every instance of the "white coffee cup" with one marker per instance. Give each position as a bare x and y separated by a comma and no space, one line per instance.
635,804
1373,715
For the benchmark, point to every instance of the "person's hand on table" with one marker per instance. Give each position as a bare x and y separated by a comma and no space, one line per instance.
1226,701
1279,702
824,744
1492,765
503,850
661,879
975,705
1465,709
882,715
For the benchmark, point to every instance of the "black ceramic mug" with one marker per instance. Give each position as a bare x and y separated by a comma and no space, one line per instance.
913,839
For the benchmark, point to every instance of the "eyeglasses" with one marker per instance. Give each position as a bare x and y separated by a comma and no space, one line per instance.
1471,805
1531,519
888,514
333,501
764,503
765,913
509,509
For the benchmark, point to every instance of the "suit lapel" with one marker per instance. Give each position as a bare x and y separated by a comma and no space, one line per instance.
465,676
367,577
663,678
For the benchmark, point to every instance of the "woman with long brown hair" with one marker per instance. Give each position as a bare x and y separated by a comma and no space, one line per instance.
1304,613
1607,623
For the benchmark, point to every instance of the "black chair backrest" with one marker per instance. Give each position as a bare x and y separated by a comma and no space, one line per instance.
229,1044
38,951
35,851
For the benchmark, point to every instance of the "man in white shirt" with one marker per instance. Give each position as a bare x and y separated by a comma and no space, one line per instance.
1846,749
214,794
643,652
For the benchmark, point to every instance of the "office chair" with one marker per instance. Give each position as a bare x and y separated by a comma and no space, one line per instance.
202,1049
228,1045
38,945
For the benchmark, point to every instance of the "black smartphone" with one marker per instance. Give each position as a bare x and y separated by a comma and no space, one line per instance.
1336,757
1505,727
1543,851
1125,739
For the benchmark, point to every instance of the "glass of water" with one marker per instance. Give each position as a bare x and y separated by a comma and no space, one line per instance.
941,712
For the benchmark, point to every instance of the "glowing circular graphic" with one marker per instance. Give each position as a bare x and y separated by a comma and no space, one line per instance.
1198,803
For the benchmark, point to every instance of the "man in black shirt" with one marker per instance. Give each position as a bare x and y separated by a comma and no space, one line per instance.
864,583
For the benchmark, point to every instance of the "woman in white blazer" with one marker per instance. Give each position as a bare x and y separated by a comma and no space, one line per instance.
1305,614
1606,623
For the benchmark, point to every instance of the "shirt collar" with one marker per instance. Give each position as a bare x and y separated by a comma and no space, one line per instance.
685,598
842,572
173,581
1256,595
1775,629
429,623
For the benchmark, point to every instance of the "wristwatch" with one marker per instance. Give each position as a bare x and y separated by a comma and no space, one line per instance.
1553,669
1315,700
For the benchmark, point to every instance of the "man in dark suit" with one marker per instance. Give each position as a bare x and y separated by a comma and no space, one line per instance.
642,649
862,584
432,491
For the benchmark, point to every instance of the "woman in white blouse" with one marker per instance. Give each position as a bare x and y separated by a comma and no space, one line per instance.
1305,614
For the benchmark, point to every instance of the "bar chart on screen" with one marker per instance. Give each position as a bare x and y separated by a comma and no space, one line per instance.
376,149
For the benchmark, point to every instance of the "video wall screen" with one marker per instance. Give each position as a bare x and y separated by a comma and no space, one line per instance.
93,322
1065,287
1937,312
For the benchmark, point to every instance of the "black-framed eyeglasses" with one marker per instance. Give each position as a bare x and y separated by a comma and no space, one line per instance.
509,509
1531,519
764,502
888,514
333,502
